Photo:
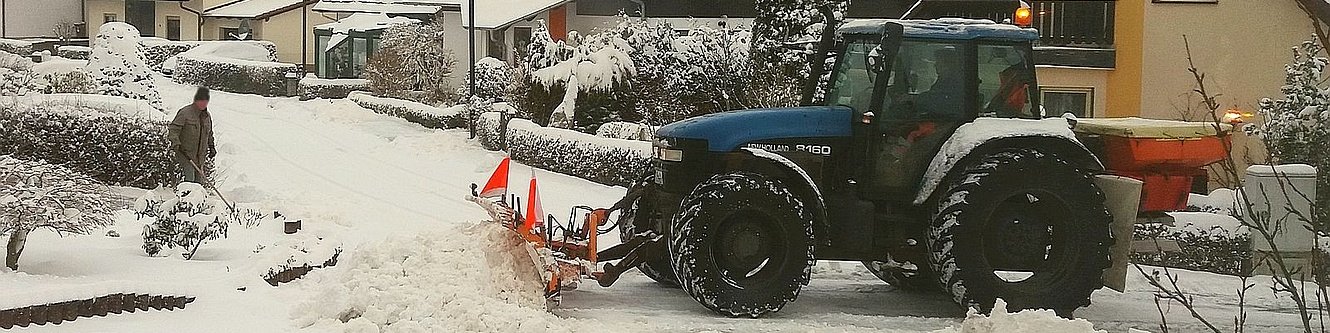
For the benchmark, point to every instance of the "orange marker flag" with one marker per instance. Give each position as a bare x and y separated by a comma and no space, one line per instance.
535,214
497,186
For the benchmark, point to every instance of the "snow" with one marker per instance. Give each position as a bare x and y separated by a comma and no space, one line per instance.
1283,170
117,64
56,65
250,8
363,22
1028,321
416,256
947,27
229,52
417,107
494,14
310,79
981,130
385,6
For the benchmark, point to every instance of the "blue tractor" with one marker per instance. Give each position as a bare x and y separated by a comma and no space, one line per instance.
931,162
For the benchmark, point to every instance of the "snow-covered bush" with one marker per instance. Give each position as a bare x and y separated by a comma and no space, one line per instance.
626,131
187,220
164,55
782,23
488,130
601,160
156,51
76,82
14,46
413,62
425,115
36,195
1204,248
1296,127
312,87
593,64
118,67
234,75
113,146
16,75
73,52
492,78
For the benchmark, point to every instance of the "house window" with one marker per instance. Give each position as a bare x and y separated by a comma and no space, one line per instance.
108,18
496,44
1061,100
522,40
173,27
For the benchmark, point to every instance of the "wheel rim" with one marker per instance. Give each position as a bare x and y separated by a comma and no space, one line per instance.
1026,239
749,249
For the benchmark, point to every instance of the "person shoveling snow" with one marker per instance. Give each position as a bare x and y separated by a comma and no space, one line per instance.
191,137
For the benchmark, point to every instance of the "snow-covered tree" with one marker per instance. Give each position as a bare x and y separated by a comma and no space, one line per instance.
413,60
118,67
187,220
35,195
595,63
492,78
783,23
1296,127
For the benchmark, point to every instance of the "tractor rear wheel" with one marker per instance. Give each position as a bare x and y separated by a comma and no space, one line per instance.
742,244
656,260
1024,226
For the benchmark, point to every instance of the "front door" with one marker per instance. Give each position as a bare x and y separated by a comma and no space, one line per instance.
142,14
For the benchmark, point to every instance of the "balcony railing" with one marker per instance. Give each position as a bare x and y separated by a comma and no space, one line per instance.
1074,23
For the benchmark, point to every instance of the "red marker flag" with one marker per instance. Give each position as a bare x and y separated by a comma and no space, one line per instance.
497,186
535,214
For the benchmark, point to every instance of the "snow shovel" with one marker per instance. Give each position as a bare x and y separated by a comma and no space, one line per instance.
208,183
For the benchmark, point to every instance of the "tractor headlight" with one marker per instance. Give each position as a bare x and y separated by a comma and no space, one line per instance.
666,154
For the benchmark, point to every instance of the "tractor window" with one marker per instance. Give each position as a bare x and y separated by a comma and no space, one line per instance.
1005,81
931,82
854,80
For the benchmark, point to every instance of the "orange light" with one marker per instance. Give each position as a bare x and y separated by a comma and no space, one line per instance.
1024,17
1236,116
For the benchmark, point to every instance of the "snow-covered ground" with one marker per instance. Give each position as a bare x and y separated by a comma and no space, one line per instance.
391,192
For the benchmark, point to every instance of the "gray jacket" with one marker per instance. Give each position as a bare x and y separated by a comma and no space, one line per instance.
191,135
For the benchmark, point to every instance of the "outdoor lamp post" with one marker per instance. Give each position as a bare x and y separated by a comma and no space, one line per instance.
471,73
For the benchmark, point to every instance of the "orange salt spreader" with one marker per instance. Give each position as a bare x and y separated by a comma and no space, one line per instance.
1167,155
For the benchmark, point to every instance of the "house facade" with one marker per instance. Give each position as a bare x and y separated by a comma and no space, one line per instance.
35,19
286,23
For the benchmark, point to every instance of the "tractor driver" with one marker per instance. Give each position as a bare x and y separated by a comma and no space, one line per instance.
944,99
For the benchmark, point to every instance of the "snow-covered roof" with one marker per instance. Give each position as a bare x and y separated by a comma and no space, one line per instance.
255,8
364,22
494,14
386,6
943,28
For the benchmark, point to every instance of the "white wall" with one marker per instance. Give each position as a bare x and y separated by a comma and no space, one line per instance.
36,18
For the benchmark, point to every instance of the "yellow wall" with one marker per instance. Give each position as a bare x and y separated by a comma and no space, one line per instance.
1124,92
1075,77
95,9
1241,46
286,31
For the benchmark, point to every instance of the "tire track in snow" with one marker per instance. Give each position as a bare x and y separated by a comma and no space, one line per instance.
272,149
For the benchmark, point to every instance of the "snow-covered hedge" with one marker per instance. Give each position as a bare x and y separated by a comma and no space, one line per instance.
626,131
234,75
312,87
157,50
602,160
73,52
1211,248
488,130
110,145
15,46
425,115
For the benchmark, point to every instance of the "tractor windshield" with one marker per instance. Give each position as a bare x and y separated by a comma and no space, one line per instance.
853,86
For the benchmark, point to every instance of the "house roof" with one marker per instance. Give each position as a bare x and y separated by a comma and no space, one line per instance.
364,22
256,9
494,14
386,6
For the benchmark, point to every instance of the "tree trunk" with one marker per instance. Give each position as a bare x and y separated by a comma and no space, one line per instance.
16,241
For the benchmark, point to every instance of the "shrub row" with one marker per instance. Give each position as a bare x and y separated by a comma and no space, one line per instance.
626,131
156,51
73,52
1213,249
232,75
15,46
116,148
313,87
602,160
425,115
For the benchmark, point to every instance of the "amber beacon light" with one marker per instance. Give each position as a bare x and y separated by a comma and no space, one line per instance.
1024,17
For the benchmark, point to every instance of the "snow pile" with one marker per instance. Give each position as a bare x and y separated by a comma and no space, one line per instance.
1220,201
463,279
1027,321
626,131
118,64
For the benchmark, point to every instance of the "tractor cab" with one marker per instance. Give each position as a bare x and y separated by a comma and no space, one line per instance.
912,83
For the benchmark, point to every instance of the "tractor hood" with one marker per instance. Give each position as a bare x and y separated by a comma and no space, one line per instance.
726,131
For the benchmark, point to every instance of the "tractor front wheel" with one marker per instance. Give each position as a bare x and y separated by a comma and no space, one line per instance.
742,244
1024,226
655,260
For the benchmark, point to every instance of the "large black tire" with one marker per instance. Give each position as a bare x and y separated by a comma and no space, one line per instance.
656,261
1024,226
919,279
742,244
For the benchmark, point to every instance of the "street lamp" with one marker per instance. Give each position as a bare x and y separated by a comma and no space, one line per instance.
471,73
